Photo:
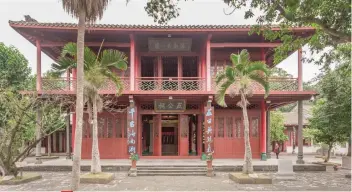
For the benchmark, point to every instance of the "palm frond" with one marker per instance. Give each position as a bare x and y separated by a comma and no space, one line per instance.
230,73
114,58
70,49
219,77
62,65
244,57
258,66
221,92
90,58
262,81
114,78
234,59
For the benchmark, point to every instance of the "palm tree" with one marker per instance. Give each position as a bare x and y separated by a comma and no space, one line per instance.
238,78
97,69
85,11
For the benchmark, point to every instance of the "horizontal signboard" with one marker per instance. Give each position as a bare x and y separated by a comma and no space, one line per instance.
169,105
169,44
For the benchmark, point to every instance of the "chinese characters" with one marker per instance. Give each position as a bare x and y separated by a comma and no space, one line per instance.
131,131
209,124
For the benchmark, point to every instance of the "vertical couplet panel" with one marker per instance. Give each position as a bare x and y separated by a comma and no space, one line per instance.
209,129
131,129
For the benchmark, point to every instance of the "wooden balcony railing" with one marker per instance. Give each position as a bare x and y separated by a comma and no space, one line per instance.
166,84
275,83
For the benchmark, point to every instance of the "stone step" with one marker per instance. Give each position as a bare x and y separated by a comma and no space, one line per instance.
171,174
170,168
171,171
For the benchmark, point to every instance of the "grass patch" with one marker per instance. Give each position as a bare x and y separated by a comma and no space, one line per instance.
250,178
98,178
27,177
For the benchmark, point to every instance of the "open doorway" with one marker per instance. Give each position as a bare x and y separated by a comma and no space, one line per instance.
147,135
169,135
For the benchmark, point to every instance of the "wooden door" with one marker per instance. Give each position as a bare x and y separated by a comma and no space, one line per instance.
183,135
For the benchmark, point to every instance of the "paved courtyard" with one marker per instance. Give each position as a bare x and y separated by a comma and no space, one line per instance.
317,181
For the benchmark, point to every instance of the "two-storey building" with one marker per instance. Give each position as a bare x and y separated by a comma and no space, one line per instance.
170,84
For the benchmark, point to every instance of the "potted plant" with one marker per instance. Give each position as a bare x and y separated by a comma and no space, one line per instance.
209,159
134,158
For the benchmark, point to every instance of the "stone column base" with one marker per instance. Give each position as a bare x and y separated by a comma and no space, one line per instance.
132,172
210,172
300,161
346,162
263,157
38,160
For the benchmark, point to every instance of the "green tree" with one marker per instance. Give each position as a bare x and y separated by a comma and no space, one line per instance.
14,70
98,69
238,77
277,127
87,11
17,128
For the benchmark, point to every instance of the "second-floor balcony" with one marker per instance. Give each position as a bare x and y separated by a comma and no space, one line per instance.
161,85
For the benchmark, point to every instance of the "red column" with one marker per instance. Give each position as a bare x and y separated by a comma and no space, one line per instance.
132,64
263,131
208,77
39,65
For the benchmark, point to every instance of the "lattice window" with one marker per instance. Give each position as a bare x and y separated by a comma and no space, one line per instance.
101,122
192,106
147,106
221,127
229,126
238,127
118,128
109,128
255,124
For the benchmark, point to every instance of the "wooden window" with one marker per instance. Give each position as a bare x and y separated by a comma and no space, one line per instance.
238,127
255,126
101,122
221,127
229,127
118,128
109,128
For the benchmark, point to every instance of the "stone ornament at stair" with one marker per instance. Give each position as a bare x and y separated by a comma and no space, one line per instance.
285,170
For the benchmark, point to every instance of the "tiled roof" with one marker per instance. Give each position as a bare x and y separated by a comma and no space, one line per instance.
291,118
122,26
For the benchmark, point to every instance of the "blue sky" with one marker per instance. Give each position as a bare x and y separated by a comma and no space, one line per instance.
192,12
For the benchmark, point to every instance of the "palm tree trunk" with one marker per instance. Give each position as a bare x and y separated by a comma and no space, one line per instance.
248,166
95,167
76,166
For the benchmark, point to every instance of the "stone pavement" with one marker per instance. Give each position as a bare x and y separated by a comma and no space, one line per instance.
62,161
317,181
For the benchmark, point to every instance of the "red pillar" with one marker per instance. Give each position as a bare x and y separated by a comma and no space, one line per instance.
208,63
263,131
39,65
132,64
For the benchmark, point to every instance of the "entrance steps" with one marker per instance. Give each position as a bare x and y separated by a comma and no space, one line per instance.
171,170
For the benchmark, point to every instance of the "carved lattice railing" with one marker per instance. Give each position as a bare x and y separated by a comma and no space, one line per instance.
110,86
276,84
58,84
170,84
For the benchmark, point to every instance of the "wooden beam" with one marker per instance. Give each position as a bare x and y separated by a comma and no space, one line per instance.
89,44
221,45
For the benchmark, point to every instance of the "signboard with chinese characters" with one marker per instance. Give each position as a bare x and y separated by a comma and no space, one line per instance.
169,105
169,44
131,130
209,129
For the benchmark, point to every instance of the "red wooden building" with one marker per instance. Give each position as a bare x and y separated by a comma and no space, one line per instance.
170,82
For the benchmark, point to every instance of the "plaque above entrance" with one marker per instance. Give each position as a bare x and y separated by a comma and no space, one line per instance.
169,105
169,44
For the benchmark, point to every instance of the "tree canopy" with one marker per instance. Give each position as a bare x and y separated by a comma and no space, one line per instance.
277,126
14,69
